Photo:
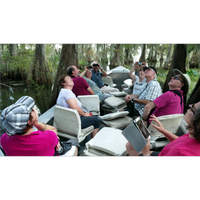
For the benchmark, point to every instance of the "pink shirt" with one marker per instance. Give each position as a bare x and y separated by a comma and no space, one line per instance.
182,146
168,103
37,143
80,86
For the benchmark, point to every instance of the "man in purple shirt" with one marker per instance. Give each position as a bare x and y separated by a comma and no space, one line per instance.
81,87
171,102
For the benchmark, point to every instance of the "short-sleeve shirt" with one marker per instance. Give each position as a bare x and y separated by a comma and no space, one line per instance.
151,91
138,86
94,87
64,95
182,146
37,143
80,86
97,78
168,103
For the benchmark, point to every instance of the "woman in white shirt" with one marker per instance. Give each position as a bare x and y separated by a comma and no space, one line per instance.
139,82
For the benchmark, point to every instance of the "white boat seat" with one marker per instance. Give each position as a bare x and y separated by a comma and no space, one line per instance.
107,142
108,81
170,123
117,120
118,94
91,102
68,124
114,104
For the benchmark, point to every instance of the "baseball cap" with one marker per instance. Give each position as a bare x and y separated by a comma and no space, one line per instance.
15,117
145,67
186,80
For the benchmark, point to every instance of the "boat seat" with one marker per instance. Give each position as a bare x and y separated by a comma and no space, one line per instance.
113,104
170,123
118,120
68,124
107,142
108,81
91,102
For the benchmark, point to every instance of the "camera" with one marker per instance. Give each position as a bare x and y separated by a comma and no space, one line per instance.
94,65
89,67
140,63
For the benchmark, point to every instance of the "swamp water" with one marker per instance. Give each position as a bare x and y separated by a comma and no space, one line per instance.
9,95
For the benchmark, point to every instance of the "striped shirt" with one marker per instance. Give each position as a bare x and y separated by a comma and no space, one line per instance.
150,92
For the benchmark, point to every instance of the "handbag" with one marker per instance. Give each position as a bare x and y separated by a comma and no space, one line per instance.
131,105
65,146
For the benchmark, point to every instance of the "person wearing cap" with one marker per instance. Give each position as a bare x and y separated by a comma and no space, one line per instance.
172,101
18,120
147,94
97,78
81,87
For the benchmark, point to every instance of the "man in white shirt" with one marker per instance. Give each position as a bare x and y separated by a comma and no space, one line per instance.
150,92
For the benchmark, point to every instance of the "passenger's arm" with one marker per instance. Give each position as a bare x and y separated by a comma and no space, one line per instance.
147,109
170,136
73,104
83,72
128,97
104,74
132,76
89,89
141,101
40,126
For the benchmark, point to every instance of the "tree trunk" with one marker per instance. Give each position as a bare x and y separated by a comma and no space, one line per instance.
161,55
194,61
39,71
68,57
115,60
13,49
167,61
142,57
178,62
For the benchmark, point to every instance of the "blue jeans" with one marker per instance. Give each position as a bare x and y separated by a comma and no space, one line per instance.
88,121
131,113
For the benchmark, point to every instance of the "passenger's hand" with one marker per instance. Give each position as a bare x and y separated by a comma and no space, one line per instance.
127,98
144,64
58,146
87,114
34,117
159,126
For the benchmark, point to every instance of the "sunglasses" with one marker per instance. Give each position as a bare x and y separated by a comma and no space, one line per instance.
177,78
192,109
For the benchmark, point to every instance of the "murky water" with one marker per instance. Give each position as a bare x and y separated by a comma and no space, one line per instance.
41,95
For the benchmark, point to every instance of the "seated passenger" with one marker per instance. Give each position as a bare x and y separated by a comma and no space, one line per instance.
172,101
149,92
139,81
186,145
97,78
18,120
93,85
68,99
80,85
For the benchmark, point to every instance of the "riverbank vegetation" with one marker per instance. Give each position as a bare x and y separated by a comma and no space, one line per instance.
42,64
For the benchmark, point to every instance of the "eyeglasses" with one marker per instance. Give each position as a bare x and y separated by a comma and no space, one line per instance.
177,78
192,108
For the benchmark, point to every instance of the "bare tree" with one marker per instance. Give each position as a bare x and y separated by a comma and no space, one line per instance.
115,59
39,70
168,58
178,62
68,57
143,55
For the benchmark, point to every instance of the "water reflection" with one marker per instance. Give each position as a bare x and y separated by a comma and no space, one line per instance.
41,95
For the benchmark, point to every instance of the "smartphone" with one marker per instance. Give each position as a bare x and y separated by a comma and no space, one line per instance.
141,126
